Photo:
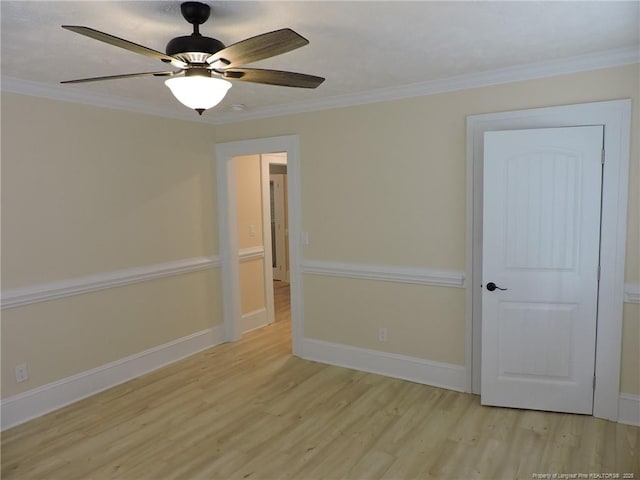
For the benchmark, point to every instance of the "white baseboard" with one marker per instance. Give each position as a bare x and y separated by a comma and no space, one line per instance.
39,401
629,409
436,374
252,320
47,398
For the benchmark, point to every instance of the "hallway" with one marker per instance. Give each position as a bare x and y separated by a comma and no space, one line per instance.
282,301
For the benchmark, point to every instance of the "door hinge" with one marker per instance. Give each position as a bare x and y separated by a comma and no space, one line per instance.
594,382
602,158
598,272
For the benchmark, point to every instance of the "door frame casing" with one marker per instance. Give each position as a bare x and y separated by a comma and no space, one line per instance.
228,229
616,117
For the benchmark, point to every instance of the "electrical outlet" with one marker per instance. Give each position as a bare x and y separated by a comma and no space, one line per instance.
382,334
21,372
252,230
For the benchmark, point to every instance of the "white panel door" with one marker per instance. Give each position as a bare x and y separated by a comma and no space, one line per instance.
278,227
541,243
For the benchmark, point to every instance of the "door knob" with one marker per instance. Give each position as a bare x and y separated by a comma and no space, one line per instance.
492,286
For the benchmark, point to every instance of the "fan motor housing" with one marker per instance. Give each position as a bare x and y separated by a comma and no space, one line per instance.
193,43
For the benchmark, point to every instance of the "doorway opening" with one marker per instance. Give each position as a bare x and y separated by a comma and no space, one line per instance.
231,226
263,255
276,220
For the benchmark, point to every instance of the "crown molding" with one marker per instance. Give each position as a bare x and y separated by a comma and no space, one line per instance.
595,61
66,94
608,59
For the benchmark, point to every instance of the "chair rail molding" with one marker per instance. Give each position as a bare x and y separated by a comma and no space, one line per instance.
251,253
632,292
413,275
18,297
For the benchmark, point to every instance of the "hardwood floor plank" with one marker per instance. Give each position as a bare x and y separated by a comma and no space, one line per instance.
373,464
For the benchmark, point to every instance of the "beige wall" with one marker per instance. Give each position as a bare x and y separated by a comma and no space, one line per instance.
385,184
88,190
64,337
85,191
249,202
630,377
421,322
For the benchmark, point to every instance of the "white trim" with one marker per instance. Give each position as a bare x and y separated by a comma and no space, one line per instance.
228,228
595,61
629,410
616,117
18,297
418,276
632,292
436,374
251,253
278,158
47,398
75,94
252,320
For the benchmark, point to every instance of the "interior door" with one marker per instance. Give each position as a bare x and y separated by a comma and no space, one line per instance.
278,227
541,243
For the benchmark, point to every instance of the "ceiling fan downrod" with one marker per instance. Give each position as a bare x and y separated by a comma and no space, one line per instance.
194,48
196,13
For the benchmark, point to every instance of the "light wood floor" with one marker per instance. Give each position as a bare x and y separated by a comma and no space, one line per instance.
251,410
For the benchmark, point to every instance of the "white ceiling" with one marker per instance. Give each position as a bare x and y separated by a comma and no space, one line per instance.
360,47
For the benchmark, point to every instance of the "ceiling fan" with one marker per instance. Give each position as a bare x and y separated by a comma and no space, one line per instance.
204,63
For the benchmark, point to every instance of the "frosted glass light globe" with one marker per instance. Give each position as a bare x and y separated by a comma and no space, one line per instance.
198,92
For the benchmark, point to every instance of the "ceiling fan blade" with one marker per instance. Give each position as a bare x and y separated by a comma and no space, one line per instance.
126,44
259,47
126,75
273,77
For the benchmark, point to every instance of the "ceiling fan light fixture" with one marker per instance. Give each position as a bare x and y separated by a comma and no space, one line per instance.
198,58
198,92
